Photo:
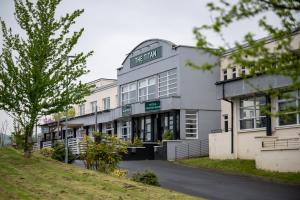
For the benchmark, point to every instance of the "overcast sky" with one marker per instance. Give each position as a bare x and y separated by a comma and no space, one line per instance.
114,27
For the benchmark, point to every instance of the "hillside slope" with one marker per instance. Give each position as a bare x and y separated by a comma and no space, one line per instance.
40,178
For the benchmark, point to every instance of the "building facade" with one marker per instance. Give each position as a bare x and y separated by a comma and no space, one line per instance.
158,92
248,133
103,99
155,91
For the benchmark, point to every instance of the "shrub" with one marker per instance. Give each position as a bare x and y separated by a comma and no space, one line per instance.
104,156
59,153
167,135
137,142
146,177
119,172
98,136
47,151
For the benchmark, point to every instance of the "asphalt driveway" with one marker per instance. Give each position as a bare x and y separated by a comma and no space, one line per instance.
210,184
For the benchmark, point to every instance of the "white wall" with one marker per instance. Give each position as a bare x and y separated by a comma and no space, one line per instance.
220,146
279,160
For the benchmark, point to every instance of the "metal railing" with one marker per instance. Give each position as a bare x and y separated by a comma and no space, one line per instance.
196,148
281,143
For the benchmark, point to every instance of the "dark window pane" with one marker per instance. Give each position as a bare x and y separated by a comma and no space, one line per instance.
261,122
288,119
246,123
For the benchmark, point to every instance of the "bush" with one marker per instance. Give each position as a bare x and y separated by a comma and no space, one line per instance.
47,151
119,172
137,142
103,156
146,177
167,135
59,153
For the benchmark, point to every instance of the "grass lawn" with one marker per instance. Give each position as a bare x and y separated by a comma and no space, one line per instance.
41,178
243,167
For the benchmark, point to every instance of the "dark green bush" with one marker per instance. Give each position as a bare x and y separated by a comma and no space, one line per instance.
59,153
146,177
167,135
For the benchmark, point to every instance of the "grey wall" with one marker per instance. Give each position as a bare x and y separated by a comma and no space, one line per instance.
208,120
247,86
197,87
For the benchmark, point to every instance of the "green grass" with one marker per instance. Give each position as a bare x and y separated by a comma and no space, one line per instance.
243,167
41,178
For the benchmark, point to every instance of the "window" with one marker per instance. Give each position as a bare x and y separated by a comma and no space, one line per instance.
108,128
128,93
126,135
148,129
287,105
81,109
94,106
251,112
147,89
106,103
225,74
167,83
191,124
234,72
225,119
243,71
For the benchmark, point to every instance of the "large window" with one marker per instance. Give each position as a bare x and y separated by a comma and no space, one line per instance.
81,109
252,113
108,128
126,135
167,83
224,74
288,104
128,93
147,88
234,72
191,124
106,103
94,106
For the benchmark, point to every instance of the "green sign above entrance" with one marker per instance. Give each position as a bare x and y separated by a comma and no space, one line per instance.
126,110
152,105
146,57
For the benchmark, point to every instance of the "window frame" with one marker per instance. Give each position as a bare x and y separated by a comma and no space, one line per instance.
169,82
146,86
225,74
234,74
81,109
297,100
128,127
93,106
106,101
129,99
189,123
255,117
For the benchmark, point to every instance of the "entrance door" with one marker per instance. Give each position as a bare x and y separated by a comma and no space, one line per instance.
148,129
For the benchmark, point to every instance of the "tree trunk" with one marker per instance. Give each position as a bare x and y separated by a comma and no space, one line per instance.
28,140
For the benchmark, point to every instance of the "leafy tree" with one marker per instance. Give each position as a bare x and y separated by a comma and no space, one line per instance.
282,59
36,78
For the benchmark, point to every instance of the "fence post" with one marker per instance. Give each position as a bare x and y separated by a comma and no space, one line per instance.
200,148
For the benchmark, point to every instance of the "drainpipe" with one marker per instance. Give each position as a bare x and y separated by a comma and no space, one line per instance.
231,104
268,117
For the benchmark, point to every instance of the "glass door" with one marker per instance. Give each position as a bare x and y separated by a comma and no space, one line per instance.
148,128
